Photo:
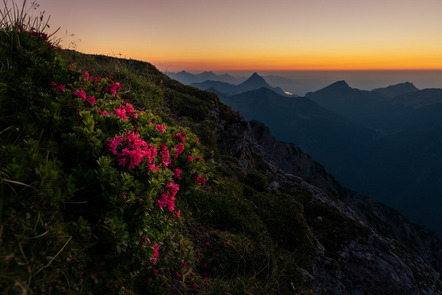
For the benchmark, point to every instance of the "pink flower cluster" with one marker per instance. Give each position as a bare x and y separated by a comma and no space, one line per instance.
168,199
181,136
135,149
60,87
200,180
81,94
91,78
165,156
156,253
113,88
177,173
160,128
125,111
179,148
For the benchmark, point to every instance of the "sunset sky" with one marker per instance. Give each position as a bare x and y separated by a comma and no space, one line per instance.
256,34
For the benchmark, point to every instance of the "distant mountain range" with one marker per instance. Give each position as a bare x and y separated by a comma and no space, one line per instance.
189,78
255,81
207,80
385,143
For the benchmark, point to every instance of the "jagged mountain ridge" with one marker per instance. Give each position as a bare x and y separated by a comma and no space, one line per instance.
396,90
189,78
255,81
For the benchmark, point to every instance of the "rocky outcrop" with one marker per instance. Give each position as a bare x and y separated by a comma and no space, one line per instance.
383,252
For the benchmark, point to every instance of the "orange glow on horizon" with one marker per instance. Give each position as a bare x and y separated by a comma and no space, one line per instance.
304,62
278,35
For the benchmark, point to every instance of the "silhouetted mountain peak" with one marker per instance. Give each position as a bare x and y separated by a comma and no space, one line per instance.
396,90
254,81
339,85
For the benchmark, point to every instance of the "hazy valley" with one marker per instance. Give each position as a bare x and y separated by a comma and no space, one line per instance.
385,143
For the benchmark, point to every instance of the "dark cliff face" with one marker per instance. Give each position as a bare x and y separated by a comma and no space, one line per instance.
362,246
383,219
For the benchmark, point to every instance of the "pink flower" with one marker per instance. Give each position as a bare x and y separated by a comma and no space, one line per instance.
120,112
196,139
96,79
156,249
200,180
174,188
181,136
179,149
168,199
80,94
160,128
113,144
53,83
178,275
61,88
153,167
69,67
104,113
165,157
86,75
190,158
195,286
177,173
183,263
198,158
114,87
154,271
178,213
91,99
207,244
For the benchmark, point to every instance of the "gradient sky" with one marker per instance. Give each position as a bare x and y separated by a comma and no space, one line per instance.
227,35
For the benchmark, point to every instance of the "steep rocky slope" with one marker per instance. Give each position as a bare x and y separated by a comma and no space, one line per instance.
356,251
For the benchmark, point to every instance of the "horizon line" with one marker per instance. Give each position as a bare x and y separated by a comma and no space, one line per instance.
305,70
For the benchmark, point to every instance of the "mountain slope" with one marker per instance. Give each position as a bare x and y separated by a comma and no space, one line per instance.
419,99
359,244
331,139
406,150
383,219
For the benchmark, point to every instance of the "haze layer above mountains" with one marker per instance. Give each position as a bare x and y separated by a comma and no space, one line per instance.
385,143
301,82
